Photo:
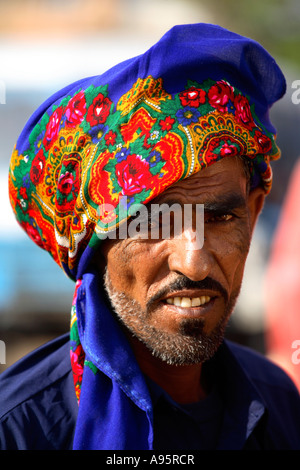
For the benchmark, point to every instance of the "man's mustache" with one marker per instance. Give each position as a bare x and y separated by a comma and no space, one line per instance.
184,282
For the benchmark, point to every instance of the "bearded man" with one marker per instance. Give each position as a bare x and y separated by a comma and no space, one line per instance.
182,130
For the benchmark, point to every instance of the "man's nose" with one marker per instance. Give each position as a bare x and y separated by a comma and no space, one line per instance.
191,259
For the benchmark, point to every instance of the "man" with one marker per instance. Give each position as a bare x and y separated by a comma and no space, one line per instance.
183,126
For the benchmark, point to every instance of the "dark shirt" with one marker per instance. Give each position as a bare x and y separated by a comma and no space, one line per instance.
255,405
194,425
39,407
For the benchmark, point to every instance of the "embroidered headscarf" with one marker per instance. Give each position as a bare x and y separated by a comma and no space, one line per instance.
200,94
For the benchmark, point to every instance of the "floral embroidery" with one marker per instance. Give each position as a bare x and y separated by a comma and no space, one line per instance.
110,138
32,231
187,115
68,185
133,175
220,96
264,143
243,112
75,111
77,360
99,110
38,167
167,124
23,192
192,97
52,128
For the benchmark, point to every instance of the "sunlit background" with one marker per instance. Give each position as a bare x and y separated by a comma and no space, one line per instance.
47,44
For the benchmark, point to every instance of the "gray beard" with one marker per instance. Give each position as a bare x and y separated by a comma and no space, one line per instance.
188,346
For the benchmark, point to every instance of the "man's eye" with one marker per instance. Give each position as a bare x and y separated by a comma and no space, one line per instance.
220,218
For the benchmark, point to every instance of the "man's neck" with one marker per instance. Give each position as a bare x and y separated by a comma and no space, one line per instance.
184,383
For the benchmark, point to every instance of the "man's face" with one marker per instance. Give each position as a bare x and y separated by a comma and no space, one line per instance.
177,300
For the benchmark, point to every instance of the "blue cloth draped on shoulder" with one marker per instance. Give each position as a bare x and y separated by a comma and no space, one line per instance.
115,406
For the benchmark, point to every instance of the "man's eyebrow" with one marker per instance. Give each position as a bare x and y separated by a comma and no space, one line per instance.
224,203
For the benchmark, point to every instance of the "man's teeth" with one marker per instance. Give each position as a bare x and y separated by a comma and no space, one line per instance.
188,301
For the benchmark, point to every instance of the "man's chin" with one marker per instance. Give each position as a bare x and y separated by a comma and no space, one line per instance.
182,349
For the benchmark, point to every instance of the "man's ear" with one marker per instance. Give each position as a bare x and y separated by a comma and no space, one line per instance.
256,201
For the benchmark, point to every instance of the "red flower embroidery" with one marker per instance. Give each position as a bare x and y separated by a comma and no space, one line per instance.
228,150
67,186
77,361
52,128
37,167
220,147
33,233
264,143
243,112
133,175
267,175
99,110
65,183
110,138
192,97
77,285
76,109
167,123
219,95
23,193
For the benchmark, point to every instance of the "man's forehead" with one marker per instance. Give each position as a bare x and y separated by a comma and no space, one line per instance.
218,181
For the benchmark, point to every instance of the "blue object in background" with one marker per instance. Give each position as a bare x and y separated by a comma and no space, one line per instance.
30,280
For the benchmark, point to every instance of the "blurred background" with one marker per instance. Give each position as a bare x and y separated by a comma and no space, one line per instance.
47,44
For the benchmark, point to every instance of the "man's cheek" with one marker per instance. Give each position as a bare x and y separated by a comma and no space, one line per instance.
239,241
233,259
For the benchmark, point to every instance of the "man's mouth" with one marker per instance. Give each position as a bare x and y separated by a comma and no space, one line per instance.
188,302
190,297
